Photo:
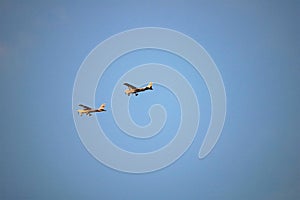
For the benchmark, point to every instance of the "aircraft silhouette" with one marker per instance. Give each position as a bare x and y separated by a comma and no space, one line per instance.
134,90
87,110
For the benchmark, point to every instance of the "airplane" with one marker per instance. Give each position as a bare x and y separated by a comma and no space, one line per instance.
87,110
134,90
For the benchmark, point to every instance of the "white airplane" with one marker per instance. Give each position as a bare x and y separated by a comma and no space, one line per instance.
87,110
134,90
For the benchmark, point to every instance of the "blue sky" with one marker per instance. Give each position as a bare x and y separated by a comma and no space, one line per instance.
256,48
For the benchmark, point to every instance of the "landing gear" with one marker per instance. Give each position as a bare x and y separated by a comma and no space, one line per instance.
136,94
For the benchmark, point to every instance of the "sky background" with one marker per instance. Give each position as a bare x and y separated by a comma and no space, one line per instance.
256,48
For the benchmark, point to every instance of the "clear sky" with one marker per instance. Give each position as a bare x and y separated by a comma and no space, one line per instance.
255,45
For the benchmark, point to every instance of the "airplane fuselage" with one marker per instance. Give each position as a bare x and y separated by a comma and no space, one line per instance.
88,112
137,90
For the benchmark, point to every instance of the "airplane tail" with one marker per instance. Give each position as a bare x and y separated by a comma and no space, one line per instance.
102,107
150,86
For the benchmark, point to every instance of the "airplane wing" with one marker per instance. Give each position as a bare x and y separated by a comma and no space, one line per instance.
129,86
85,107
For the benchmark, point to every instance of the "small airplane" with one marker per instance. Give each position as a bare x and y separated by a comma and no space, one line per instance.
134,90
87,110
